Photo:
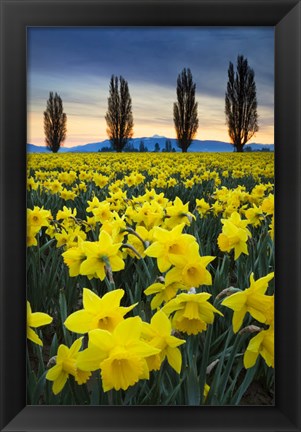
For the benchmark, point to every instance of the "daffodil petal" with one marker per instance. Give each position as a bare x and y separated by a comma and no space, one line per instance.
75,347
38,319
59,383
90,359
174,358
91,301
31,335
237,320
161,323
54,372
128,329
79,321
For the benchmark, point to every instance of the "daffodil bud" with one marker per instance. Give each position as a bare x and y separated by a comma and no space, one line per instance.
51,362
227,292
250,329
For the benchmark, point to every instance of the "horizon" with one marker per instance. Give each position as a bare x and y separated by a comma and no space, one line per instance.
77,63
136,141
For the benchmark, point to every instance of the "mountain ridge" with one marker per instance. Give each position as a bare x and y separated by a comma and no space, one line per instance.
200,146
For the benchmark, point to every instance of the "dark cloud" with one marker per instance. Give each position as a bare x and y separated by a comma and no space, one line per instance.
152,55
78,63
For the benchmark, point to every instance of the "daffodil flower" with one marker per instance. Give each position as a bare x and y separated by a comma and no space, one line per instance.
158,334
65,366
233,237
190,270
261,344
254,215
121,355
192,312
202,207
268,205
38,217
36,319
236,220
170,244
74,257
178,213
99,254
66,213
99,312
252,300
163,292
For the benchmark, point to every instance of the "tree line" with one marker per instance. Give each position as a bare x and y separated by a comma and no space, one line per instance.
129,147
240,111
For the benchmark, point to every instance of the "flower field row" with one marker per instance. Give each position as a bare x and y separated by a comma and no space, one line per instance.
150,278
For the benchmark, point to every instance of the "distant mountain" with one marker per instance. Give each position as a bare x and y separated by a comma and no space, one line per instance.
150,142
31,148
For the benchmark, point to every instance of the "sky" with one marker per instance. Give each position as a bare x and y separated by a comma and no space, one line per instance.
78,62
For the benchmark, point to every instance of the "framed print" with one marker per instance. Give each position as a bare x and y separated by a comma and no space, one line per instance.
126,329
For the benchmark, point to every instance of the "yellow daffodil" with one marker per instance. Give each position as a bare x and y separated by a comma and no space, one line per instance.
31,239
93,204
178,213
121,355
100,254
217,208
236,220
66,214
170,244
149,214
69,237
254,215
268,205
98,312
261,344
190,270
38,217
202,207
163,292
65,366
233,238
74,257
36,319
100,180
252,300
102,212
158,335
115,227
192,312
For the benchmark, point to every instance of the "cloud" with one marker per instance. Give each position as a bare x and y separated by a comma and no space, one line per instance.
78,63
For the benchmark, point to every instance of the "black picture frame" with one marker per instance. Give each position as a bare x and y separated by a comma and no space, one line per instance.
16,16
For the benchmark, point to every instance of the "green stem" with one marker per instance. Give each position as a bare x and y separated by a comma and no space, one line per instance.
146,270
229,365
214,389
204,363
38,350
129,246
131,231
73,391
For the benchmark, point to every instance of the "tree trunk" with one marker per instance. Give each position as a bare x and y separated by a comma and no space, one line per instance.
239,148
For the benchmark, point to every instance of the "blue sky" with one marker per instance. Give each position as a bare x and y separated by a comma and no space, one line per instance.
78,62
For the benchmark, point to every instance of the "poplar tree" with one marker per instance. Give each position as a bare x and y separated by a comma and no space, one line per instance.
119,116
241,104
185,110
55,123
